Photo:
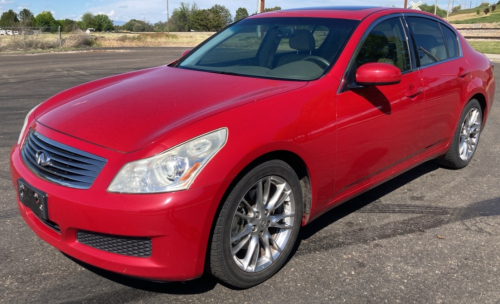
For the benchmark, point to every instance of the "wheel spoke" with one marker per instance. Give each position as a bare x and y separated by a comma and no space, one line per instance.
279,217
240,245
267,188
462,147
244,201
475,129
245,232
267,246
287,193
277,199
254,242
473,116
275,244
243,216
260,198
281,225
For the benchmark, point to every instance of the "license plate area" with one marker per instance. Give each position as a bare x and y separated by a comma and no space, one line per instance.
34,199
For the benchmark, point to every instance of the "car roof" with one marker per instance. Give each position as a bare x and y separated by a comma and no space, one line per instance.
343,12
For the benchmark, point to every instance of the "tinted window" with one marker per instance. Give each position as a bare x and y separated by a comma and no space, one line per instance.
386,43
451,41
429,40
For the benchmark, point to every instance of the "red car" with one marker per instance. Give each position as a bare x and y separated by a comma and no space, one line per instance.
216,160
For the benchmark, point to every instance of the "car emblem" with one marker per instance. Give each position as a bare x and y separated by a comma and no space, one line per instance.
43,158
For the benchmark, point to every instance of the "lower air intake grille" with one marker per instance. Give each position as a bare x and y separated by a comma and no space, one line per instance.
131,246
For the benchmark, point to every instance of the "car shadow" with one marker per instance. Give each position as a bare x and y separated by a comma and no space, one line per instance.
196,286
365,199
426,217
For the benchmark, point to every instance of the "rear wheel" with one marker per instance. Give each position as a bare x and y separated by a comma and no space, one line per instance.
466,137
257,226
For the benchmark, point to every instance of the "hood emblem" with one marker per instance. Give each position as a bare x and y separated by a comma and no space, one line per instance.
43,158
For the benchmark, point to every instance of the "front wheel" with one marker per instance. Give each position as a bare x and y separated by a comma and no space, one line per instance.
466,137
257,225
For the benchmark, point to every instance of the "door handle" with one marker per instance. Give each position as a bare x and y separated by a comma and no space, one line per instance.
462,72
414,93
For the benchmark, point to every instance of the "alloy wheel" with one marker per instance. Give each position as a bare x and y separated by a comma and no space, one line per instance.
262,224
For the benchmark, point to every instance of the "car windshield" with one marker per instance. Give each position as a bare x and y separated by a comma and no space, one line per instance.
279,48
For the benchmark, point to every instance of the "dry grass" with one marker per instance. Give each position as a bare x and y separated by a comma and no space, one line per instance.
45,41
464,16
79,40
191,39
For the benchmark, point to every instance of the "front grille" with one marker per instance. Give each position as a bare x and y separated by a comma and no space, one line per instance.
63,164
131,246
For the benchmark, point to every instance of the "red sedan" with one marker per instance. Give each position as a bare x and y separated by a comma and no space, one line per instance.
216,160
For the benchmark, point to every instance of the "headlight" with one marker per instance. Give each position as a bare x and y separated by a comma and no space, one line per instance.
172,170
25,125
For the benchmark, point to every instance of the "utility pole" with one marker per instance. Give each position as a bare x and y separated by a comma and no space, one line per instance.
261,6
406,3
168,25
435,7
448,10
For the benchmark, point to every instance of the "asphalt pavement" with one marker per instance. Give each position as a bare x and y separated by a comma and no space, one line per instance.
431,235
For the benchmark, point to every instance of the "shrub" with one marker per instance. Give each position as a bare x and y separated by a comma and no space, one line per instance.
78,40
486,11
478,12
493,8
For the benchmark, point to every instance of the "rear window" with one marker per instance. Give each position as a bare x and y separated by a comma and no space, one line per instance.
451,41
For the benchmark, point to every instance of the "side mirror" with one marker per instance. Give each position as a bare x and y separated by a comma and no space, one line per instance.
376,74
186,52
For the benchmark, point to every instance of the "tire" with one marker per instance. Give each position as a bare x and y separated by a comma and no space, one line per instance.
254,234
465,139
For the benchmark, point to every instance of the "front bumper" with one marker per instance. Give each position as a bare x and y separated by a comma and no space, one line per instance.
178,224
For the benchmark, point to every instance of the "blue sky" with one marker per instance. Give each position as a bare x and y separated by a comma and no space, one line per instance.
155,10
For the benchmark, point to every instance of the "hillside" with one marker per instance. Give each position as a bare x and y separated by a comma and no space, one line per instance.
470,16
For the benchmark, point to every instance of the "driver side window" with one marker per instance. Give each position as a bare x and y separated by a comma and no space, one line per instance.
386,43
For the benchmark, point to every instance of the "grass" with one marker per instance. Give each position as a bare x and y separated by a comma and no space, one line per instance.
470,10
490,18
486,47
189,39
79,40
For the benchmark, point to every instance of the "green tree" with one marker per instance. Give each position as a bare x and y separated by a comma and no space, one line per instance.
430,9
160,26
9,18
241,13
493,8
276,8
142,26
26,18
182,17
201,20
45,19
486,11
221,12
68,25
103,23
89,21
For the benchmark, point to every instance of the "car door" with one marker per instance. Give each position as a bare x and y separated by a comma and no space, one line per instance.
444,72
378,126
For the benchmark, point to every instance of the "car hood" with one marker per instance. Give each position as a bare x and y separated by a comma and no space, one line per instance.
130,111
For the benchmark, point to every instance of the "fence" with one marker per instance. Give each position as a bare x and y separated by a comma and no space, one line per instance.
31,31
